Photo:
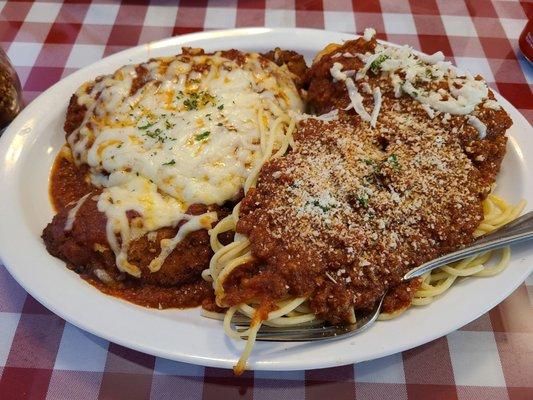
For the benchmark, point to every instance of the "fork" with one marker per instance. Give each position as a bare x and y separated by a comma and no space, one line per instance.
519,230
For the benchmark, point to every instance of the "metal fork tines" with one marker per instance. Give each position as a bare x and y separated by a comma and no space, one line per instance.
517,231
308,332
294,334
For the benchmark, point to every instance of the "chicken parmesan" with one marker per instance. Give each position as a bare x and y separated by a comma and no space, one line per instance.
156,154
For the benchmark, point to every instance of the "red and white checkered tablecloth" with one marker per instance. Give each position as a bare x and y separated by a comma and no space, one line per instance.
42,356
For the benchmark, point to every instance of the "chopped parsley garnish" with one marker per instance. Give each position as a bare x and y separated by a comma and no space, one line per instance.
362,200
316,203
155,134
376,64
148,125
220,124
198,99
169,125
190,104
375,168
393,161
202,136
171,162
221,107
158,134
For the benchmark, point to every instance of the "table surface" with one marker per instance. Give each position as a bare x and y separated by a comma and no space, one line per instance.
42,356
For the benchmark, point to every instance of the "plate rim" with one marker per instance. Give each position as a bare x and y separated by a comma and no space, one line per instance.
5,255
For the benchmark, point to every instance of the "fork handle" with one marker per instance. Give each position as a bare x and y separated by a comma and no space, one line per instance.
519,230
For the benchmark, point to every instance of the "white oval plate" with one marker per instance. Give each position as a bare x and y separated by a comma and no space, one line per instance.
27,151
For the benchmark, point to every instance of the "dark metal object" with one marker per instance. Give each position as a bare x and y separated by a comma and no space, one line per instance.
10,92
517,231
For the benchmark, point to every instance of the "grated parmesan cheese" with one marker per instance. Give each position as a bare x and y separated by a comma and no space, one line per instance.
492,104
429,110
366,88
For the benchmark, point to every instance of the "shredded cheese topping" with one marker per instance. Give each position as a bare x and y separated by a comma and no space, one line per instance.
420,71
480,126
356,100
377,106
369,33
428,79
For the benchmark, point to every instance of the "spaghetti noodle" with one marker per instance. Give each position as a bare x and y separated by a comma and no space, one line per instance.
291,312
497,213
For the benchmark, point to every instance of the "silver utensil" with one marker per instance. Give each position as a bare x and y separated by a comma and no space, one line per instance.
10,92
519,230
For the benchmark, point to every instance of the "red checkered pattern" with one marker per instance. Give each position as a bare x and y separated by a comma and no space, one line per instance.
42,356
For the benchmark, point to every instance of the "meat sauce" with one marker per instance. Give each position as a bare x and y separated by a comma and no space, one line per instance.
68,184
346,214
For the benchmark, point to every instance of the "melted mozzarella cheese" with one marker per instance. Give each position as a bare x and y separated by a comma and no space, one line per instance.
196,138
191,133
71,217
134,206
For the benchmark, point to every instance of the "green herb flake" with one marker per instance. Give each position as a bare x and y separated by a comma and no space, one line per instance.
316,203
171,162
221,107
169,125
190,104
375,168
362,200
148,125
376,64
393,161
202,136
